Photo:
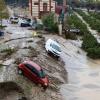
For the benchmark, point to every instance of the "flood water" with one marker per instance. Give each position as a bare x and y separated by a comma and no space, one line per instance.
83,74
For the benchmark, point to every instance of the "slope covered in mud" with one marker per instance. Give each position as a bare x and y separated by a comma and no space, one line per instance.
14,52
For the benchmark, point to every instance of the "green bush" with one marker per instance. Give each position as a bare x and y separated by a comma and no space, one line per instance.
93,22
94,52
91,46
74,21
48,21
95,15
89,41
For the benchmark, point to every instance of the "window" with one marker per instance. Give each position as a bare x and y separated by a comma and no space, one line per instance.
41,73
45,6
36,3
55,47
30,67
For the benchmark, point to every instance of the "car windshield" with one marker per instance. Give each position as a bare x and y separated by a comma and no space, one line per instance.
41,73
55,47
15,18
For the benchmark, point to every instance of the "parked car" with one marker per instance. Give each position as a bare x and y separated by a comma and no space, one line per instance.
23,23
73,30
36,24
14,19
34,72
1,33
53,47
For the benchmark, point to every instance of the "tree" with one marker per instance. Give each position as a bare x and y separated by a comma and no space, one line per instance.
3,11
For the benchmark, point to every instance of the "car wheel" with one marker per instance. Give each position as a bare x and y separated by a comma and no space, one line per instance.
44,87
20,72
48,52
20,25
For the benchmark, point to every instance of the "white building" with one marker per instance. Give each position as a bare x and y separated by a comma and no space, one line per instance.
40,7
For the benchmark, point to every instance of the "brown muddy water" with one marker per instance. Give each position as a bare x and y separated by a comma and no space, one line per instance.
83,74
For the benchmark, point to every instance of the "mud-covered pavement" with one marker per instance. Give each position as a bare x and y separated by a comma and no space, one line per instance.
82,82
22,45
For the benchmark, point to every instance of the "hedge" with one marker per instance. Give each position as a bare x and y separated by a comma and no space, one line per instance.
95,15
90,44
48,21
74,21
93,22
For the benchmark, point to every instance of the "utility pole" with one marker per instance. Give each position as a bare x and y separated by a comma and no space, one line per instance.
64,4
62,17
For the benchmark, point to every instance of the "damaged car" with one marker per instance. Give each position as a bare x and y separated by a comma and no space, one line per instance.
34,72
53,47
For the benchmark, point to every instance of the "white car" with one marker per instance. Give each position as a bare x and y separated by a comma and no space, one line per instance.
53,47
23,22
14,19
36,25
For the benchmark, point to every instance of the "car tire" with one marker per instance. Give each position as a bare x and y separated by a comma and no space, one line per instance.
21,25
44,88
48,52
20,72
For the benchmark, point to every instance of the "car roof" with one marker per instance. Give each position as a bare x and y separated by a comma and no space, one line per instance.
33,64
53,42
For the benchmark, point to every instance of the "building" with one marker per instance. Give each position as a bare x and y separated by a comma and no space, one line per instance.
38,8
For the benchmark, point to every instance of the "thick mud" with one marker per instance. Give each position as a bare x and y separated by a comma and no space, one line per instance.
11,91
30,48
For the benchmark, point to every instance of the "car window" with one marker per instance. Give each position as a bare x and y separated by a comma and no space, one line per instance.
55,47
30,67
41,73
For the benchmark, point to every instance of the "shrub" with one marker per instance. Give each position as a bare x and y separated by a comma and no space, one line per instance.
93,22
94,52
95,15
74,21
89,41
48,21
91,46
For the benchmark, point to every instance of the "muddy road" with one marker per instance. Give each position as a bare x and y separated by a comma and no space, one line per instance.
73,77
22,45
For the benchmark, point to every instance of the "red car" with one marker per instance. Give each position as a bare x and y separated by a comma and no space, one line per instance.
34,72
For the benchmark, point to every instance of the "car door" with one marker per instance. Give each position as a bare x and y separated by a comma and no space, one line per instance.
32,73
36,73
